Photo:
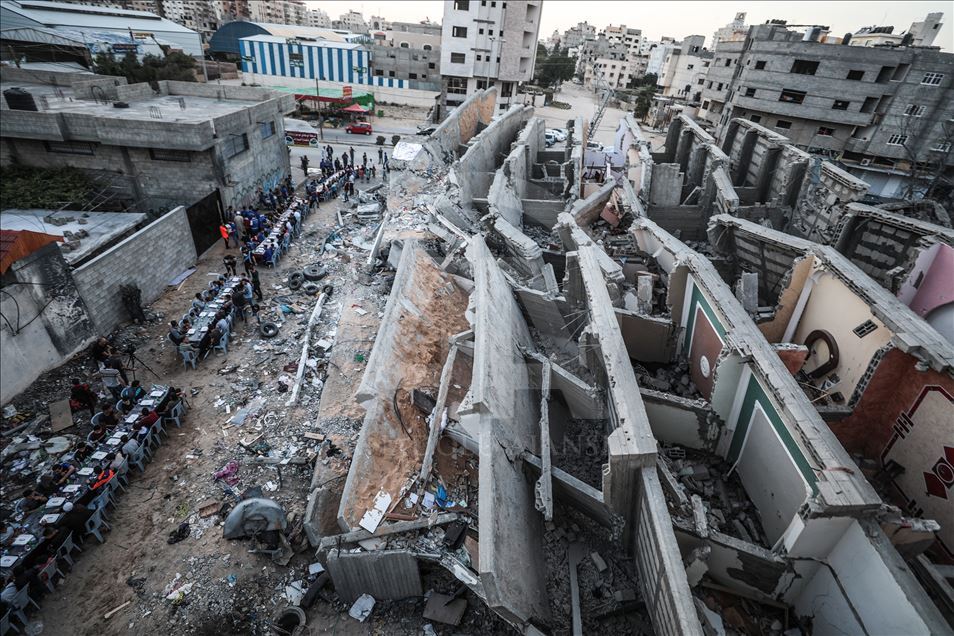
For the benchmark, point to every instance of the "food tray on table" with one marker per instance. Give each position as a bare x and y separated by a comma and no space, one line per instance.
98,455
85,471
23,539
8,561
55,502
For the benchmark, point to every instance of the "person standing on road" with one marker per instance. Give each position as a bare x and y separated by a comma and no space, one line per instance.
380,156
364,160
351,154
224,232
304,164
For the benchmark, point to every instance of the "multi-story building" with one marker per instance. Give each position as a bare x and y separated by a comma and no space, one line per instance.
351,21
630,39
378,23
407,51
198,16
684,69
484,44
616,73
884,111
716,84
656,53
318,19
577,35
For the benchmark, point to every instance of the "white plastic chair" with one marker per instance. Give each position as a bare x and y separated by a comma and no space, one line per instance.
138,459
223,344
175,414
5,625
65,551
20,603
188,355
93,525
50,570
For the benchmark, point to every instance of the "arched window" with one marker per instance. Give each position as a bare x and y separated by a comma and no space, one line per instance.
405,45
428,47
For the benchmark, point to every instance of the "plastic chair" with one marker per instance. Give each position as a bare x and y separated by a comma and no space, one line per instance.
176,411
158,429
5,625
93,525
188,355
274,260
65,551
96,418
20,603
102,499
121,408
122,475
50,570
138,459
223,344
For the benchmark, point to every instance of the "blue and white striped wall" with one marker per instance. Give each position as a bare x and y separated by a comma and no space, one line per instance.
327,63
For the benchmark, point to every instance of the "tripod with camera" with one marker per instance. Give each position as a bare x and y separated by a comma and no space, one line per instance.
129,362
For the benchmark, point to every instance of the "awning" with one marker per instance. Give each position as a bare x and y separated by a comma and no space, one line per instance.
355,108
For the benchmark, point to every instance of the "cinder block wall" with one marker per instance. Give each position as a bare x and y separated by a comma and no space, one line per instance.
150,258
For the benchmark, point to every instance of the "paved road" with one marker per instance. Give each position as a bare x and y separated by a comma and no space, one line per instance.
582,103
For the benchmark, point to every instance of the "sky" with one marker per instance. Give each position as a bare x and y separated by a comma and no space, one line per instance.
679,19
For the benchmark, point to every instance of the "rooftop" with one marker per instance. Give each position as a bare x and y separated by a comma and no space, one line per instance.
79,15
102,227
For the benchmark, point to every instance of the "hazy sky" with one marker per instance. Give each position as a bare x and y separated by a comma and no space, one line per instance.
679,19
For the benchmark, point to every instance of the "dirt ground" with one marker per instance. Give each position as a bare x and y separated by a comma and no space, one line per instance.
228,590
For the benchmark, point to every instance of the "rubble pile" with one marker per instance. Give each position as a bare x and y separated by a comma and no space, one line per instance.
670,378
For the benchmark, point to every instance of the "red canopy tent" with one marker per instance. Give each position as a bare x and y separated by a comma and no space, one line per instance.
355,108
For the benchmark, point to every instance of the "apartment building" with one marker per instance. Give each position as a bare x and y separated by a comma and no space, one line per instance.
684,69
630,39
351,21
656,53
883,111
734,31
488,43
918,34
318,18
575,36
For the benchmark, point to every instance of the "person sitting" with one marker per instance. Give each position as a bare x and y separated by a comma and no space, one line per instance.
47,485
74,518
98,434
174,334
134,392
104,475
82,453
115,460
108,416
209,340
82,397
62,472
185,325
268,253
222,321
197,303
125,406
129,446
31,500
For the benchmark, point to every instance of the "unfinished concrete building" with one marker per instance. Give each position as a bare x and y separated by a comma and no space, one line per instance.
882,378
583,425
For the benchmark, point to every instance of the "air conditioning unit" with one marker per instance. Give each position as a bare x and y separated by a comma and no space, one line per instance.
866,162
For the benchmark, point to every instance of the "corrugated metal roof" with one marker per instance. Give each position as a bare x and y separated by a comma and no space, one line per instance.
55,14
325,44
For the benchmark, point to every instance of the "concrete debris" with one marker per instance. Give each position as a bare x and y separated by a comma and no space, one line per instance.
361,609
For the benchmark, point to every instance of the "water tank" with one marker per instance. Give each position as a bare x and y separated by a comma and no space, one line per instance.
907,39
19,99
847,39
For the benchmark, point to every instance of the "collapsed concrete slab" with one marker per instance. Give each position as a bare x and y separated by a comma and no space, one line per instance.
501,408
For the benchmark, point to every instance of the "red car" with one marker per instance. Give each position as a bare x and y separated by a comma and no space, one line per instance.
358,128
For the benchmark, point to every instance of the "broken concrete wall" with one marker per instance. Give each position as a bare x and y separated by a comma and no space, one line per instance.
863,586
384,574
425,308
666,185
521,252
662,577
541,213
792,286
487,150
647,338
679,420
821,201
502,413
461,125
586,211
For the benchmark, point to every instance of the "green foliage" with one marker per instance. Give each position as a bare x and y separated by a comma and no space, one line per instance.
553,68
644,99
174,66
28,187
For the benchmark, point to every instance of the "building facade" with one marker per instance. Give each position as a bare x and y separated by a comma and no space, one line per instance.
684,69
487,44
884,111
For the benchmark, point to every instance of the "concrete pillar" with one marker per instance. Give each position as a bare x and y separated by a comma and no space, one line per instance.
672,140
744,157
767,173
683,149
697,165
729,139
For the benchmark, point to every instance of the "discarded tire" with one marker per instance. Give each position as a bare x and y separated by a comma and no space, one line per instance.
327,289
311,289
268,329
314,272
289,620
295,280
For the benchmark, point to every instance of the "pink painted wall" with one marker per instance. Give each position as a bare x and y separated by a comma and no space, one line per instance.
937,287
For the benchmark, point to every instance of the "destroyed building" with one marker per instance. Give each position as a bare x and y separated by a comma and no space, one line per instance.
571,412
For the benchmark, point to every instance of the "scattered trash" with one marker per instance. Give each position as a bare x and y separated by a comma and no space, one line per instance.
362,607
227,473
294,592
373,517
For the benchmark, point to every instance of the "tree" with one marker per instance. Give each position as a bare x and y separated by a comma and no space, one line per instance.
644,99
174,66
553,68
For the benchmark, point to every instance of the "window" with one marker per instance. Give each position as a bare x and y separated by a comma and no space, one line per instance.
390,73
932,79
840,104
914,110
792,97
760,65
750,92
457,85
480,31
458,58
720,87
481,84
431,65
784,125
267,128
428,47
69,147
944,146
480,58
235,145
689,66
164,154
459,32
865,328
825,132
897,140
493,4
490,31
755,118
461,5
705,105
728,61
869,104
412,76
405,45
855,75
804,67
701,81
378,72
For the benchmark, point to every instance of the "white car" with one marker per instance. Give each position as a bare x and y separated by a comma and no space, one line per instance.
558,133
549,138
